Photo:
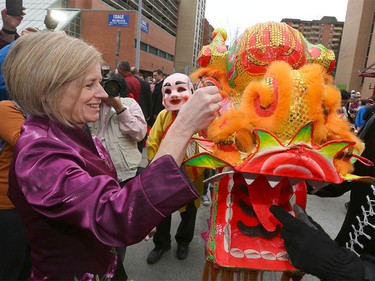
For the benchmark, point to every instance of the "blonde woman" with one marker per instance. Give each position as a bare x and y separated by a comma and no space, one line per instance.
64,184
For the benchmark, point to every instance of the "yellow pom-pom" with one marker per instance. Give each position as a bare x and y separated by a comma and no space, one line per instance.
219,31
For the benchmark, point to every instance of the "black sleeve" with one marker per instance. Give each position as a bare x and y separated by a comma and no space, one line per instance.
313,251
145,99
334,190
369,267
368,113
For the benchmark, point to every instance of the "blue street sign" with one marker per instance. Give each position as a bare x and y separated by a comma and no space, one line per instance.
118,20
144,26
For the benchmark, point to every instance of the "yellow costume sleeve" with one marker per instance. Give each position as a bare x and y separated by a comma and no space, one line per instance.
157,131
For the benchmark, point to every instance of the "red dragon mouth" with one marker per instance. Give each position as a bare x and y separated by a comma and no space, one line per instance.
246,234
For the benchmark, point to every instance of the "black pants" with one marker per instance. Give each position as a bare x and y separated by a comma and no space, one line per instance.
185,231
141,144
120,274
15,260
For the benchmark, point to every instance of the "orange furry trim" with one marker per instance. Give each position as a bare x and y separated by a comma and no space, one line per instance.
312,75
231,126
218,74
280,74
328,78
343,167
339,128
223,127
332,98
331,102
245,141
232,157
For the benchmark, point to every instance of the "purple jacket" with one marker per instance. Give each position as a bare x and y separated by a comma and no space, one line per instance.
66,190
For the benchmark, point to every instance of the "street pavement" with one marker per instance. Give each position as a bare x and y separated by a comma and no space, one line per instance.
328,212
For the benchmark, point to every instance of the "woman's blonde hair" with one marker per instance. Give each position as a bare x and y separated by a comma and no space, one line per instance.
39,68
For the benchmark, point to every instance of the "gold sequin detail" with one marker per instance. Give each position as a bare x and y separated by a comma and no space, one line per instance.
299,109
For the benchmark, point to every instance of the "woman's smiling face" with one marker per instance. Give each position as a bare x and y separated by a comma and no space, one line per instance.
177,88
84,107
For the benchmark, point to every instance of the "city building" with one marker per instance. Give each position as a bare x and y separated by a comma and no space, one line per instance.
357,52
184,19
207,32
112,27
326,31
189,34
163,13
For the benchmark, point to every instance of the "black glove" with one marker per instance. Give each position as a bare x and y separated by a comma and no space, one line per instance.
369,266
313,251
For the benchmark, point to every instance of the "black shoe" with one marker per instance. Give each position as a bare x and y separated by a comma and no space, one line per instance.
155,255
182,252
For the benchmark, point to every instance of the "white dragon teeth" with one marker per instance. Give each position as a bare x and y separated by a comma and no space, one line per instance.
273,183
273,180
249,181
249,178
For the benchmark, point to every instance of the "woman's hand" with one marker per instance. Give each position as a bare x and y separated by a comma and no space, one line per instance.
195,115
200,110
150,235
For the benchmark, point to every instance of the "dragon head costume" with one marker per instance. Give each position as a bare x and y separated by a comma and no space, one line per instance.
279,129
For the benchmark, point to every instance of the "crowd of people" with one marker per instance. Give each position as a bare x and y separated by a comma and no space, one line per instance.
70,166
70,172
356,109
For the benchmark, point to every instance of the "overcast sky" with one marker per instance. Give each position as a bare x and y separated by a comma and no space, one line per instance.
236,15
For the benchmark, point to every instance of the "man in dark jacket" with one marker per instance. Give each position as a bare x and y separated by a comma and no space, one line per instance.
157,96
145,97
144,101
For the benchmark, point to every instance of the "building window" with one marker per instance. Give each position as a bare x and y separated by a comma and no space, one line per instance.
170,57
153,50
143,47
162,54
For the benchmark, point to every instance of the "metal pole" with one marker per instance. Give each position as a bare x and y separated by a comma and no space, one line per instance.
118,38
138,45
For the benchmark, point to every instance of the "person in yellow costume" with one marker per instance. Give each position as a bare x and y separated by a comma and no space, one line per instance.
176,89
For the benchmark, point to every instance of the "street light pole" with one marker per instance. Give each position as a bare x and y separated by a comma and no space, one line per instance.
118,41
138,45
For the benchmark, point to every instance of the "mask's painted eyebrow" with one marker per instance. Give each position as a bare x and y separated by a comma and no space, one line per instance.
167,84
180,82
